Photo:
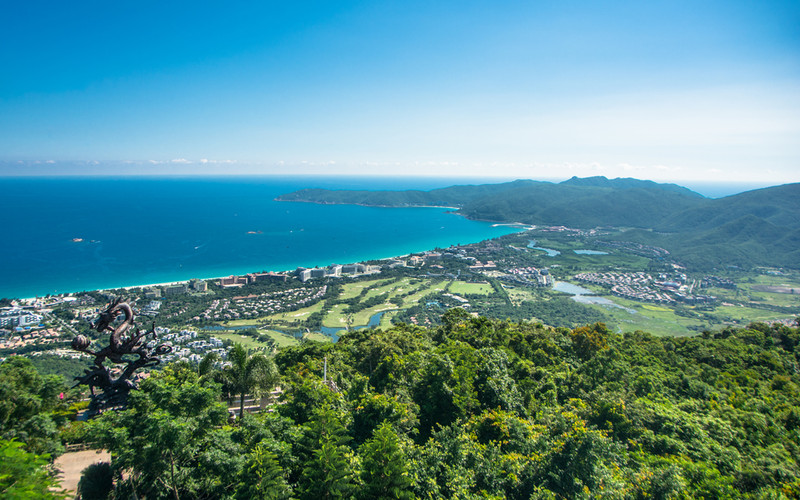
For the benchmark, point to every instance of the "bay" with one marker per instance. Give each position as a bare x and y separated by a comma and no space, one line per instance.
70,234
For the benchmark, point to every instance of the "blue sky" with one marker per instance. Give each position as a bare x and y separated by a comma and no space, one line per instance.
657,90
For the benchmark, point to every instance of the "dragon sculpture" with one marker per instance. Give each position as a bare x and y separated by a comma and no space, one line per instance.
128,345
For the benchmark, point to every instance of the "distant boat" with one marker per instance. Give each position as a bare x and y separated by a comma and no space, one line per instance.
77,240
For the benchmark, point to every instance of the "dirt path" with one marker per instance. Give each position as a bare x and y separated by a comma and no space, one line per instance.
72,464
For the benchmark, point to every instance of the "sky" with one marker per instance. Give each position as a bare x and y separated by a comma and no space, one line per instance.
662,90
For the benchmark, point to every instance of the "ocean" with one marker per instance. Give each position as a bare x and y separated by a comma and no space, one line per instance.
69,234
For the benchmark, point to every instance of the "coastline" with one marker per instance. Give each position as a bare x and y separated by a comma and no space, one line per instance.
185,281
237,229
370,205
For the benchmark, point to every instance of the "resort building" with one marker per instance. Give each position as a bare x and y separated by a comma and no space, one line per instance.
233,281
177,289
261,277
354,269
14,316
198,285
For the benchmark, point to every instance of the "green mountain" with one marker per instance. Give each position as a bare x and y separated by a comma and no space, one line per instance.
779,205
582,206
626,183
759,227
453,196
577,202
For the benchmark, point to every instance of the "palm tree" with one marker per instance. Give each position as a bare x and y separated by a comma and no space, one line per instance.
248,373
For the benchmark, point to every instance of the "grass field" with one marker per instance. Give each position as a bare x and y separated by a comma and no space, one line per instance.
772,298
350,290
246,341
746,314
386,319
387,287
655,320
298,315
462,287
422,290
336,317
318,337
519,294
280,339
650,307
243,322
660,320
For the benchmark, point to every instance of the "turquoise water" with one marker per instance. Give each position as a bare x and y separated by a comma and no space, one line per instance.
135,231
590,252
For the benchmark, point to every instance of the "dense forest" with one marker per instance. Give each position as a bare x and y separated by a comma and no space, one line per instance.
473,408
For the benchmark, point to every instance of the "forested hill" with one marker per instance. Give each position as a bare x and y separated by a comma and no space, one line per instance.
778,205
453,196
480,408
760,227
756,227
583,206
599,200
628,183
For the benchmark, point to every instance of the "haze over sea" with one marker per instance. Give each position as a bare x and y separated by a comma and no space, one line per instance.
137,231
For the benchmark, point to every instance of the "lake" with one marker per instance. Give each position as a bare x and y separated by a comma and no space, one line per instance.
550,252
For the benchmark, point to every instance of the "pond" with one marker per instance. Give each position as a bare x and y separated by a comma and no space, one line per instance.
586,296
563,286
590,252
374,320
550,251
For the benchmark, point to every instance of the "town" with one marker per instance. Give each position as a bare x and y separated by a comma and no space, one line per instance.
494,276
643,287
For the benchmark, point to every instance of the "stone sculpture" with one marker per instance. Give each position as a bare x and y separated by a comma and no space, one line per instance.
128,346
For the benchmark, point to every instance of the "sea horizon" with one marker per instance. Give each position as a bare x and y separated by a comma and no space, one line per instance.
81,233
74,234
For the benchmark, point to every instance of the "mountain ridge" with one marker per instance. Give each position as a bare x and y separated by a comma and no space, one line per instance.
758,227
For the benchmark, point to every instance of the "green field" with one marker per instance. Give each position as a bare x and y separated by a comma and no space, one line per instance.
741,305
425,288
280,339
350,290
298,315
336,317
243,322
741,314
462,287
519,294
653,319
318,337
387,287
747,285
246,341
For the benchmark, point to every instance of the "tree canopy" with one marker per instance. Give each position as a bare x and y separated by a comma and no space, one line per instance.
478,408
